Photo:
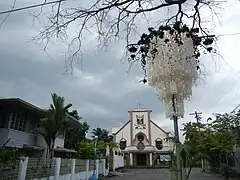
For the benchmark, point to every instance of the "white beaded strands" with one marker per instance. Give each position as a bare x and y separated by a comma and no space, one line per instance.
172,71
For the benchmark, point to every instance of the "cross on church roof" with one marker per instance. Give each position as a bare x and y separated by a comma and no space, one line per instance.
139,105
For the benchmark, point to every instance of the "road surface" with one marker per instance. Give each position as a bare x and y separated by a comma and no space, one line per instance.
160,174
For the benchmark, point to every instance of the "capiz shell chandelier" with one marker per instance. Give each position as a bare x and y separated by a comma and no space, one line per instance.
169,58
171,69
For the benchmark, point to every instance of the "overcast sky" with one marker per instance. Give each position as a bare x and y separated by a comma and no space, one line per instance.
102,90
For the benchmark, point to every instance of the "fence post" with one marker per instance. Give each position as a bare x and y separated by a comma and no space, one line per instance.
57,168
117,162
104,167
123,161
202,164
86,169
73,168
22,171
114,161
108,164
97,167
131,159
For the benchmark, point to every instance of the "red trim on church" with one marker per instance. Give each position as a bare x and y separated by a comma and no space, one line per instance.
131,128
146,110
149,128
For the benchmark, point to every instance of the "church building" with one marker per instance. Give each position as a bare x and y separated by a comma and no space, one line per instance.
142,141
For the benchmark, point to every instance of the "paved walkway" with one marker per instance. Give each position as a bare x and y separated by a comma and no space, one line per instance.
160,174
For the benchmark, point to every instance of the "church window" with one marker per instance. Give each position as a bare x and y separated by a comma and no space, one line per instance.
140,137
140,146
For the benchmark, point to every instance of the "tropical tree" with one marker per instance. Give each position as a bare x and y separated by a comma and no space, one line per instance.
8,155
75,114
197,144
85,149
229,123
75,135
54,123
212,141
102,134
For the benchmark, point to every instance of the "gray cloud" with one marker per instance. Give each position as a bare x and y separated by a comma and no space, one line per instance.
101,90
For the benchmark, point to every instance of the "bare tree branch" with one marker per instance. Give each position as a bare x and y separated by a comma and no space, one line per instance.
29,7
115,19
8,14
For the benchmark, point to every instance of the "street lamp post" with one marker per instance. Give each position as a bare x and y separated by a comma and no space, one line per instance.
94,175
177,141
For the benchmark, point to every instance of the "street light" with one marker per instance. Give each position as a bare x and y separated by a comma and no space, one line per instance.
94,175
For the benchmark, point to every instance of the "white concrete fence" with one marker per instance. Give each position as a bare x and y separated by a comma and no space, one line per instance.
118,161
84,175
71,173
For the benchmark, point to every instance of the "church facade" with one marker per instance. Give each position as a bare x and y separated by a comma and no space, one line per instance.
142,141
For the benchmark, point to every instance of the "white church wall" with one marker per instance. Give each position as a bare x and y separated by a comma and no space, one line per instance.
124,133
157,133
140,127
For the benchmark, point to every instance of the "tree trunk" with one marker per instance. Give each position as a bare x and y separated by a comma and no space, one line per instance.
47,152
220,163
52,150
237,159
189,172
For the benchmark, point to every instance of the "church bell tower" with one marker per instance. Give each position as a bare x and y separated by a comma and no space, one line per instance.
140,127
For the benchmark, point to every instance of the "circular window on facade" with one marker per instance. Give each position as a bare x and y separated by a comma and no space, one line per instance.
141,146
140,137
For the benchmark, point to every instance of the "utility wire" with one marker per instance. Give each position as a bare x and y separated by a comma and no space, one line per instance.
59,1
232,34
29,7
197,116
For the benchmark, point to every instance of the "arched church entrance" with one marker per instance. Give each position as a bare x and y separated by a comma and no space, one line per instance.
141,156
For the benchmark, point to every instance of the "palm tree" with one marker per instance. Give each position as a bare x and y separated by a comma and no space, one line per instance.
102,134
75,135
75,114
54,122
